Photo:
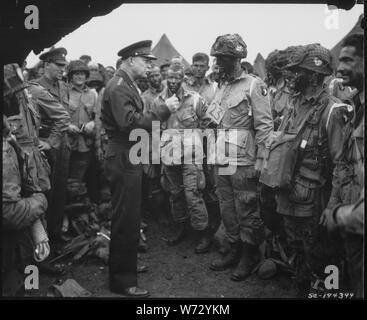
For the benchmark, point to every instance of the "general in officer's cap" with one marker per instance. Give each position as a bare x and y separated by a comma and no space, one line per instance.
56,55
229,45
138,49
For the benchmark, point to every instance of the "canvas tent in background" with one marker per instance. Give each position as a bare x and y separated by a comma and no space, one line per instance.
336,49
165,51
259,66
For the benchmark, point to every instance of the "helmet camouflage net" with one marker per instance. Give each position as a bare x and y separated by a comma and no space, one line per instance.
313,57
229,45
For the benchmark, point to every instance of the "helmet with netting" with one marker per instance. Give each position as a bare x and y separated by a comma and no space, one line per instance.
313,57
229,45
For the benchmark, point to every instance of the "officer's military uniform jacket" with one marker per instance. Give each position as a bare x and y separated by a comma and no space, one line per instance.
51,108
122,109
82,109
101,136
25,127
246,106
319,151
54,118
58,89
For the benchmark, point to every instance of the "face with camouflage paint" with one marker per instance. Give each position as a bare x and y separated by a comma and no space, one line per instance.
226,64
175,79
299,79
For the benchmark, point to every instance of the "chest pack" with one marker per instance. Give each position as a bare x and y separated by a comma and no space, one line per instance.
286,148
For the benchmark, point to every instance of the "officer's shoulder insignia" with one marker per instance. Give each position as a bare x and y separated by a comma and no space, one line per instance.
119,81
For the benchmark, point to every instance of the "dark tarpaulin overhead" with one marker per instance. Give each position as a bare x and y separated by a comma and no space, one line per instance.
56,19
165,51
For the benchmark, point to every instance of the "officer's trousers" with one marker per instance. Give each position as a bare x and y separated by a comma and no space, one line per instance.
59,159
125,180
237,196
79,163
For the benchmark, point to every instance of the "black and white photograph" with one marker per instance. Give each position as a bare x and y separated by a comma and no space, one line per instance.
182,151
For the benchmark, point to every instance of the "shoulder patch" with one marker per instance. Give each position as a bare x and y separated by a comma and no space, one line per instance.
339,107
119,81
264,90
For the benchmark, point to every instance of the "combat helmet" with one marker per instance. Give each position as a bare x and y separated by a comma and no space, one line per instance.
229,45
313,57
77,66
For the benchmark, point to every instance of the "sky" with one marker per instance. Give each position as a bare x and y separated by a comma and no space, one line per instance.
194,27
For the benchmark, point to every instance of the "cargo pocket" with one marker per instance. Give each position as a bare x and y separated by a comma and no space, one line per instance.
16,125
238,108
201,184
244,143
187,117
248,197
303,191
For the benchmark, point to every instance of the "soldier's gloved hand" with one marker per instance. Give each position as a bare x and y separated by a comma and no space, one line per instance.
328,220
43,146
172,103
73,129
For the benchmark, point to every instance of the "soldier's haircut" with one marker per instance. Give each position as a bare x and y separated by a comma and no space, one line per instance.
85,56
177,68
355,40
154,66
200,56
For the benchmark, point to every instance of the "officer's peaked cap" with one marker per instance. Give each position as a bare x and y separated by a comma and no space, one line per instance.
137,49
56,55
